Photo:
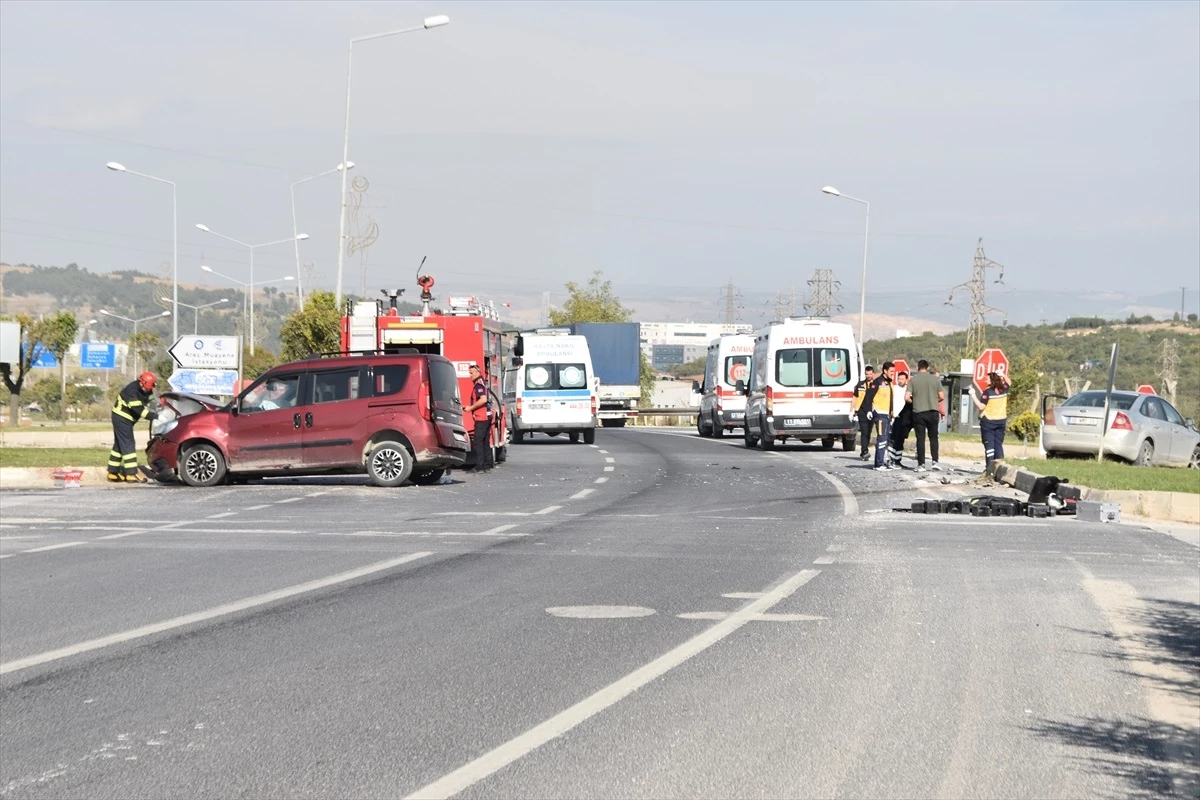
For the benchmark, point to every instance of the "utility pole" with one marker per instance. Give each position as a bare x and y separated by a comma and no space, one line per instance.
1182,304
1170,365
545,310
730,304
977,287
785,304
821,302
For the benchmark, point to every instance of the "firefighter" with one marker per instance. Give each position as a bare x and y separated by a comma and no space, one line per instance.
133,403
481,413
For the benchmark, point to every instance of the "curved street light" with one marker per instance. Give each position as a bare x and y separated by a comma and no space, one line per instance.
299,281
116,166
862,301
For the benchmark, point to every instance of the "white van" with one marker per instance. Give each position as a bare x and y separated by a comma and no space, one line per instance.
802,384
722,407
552,388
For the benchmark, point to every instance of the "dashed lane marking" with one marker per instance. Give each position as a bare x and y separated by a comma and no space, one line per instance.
594,445
257,508
601,480
716,615
289,500
167,527
609,460
582,494
824,560
743,595
546,510
498,529
495,760
609,469
222,515
605,452
203,616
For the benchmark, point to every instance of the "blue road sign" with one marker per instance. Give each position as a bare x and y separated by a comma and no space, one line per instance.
204,381
98,355
41,356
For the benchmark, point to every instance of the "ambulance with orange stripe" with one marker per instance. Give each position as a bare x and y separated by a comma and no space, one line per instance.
722,407
802,384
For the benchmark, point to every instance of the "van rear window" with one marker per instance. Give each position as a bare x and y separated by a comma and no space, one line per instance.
835,366
793,367
543,377
390,379
443,382
737,368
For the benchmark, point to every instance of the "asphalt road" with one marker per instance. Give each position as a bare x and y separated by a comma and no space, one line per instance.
656,616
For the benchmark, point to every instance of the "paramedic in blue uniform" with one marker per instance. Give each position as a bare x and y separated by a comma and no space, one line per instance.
481,412
993,419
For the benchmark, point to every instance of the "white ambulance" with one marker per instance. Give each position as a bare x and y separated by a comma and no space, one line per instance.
802,384
722,407
552,388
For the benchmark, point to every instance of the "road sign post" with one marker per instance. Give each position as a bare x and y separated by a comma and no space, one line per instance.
989,361
1146,388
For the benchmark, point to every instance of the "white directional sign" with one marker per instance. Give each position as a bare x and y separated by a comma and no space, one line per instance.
206,352
204,381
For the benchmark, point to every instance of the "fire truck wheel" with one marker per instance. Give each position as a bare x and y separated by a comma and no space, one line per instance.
428,477
389,464
574,437
589,436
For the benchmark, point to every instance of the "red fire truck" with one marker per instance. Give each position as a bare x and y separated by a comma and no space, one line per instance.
467,332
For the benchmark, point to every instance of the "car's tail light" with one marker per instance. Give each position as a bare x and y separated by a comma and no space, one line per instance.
1049,420
595,405
520,405
1121,422
770,395
425,401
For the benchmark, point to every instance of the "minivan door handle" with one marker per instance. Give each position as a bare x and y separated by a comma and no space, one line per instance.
308,420
296,421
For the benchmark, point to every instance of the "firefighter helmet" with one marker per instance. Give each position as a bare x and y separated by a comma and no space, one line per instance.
147,380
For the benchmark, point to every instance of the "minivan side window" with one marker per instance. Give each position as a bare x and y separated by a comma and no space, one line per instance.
332,386
793,367
270,393
835,369
389,379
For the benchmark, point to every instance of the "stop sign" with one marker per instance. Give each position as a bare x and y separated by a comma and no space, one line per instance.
990,360
902,366
1146,388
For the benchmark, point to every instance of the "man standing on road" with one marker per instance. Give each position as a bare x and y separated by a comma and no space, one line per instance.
902,420
861,410
926,394
481,412
133,403
878,402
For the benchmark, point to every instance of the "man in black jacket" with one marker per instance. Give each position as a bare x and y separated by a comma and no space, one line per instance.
133,403
861,409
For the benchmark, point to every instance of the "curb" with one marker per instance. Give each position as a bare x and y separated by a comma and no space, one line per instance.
41,477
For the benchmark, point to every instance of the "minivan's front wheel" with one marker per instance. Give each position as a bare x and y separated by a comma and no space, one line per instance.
389,464
202,465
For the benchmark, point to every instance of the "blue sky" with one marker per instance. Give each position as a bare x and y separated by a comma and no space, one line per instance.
672,145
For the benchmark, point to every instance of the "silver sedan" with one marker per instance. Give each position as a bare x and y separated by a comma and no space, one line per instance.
1143,429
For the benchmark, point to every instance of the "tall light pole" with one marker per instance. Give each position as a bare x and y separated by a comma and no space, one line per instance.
247,301
295,232
862,300
117,167
430,22
252,248
135,322
198,309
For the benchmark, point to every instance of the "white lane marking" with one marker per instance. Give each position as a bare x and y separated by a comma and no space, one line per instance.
29,520
609,469
743,595
491,762
315,494
167,527
604,451
102,528
745,519
289,500
240,530
594,445
546,510
493,531
600,612
53,547
835,548
7,555
222,515
581,494
482,514
824,560
715,615
211,613
598,480
609,460
257,508
849,503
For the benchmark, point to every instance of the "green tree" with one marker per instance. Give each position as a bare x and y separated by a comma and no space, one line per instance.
144,345
693,367
255,365
596,302
35,333
57,335
315,328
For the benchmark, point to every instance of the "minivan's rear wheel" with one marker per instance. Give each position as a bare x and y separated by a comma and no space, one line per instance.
748,438
428,477
766,441
848,443
574,437
827,443
1145,456
718,431
589,436
389,464
202,465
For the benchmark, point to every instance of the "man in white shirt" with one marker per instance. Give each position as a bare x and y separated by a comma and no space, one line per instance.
902,420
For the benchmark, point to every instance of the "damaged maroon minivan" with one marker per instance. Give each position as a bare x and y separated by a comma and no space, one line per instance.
395,417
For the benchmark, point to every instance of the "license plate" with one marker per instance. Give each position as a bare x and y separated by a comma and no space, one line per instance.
798,423
1082,421
737,415
539,406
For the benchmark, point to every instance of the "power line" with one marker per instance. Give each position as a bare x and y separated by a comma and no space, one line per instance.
821,302
977,286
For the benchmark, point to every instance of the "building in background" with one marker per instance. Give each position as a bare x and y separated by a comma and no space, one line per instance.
669,343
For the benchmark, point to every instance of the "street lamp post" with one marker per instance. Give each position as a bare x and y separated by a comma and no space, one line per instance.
248,287
250,284
430,22
862,300
197,309
117,167
295,232
135,322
